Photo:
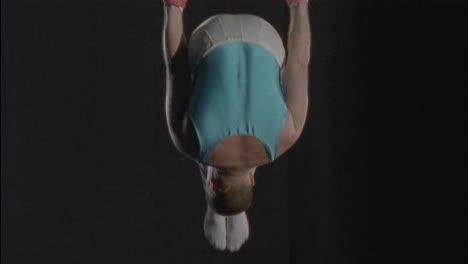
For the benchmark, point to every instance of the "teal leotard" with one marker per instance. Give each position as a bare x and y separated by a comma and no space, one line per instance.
237,91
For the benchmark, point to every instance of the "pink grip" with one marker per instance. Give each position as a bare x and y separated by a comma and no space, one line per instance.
181,3
290,2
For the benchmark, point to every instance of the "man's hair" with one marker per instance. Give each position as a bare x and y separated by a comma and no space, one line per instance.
231,198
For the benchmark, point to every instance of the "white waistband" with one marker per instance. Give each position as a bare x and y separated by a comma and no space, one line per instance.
223,28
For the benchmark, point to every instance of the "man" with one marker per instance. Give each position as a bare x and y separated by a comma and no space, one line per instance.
234,101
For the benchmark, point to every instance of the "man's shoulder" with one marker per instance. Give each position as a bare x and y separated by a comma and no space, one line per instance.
288,135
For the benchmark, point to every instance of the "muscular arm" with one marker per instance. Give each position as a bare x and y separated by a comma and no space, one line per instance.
295,73
177,77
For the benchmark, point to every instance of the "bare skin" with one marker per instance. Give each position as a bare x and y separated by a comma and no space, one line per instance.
237,154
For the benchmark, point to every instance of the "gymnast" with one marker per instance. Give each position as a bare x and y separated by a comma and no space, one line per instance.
235,100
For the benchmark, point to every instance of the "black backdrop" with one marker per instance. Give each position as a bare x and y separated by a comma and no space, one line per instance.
89,174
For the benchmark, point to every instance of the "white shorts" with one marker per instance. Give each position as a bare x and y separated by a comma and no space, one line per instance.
223,28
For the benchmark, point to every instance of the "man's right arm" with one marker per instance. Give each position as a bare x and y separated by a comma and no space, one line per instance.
178,80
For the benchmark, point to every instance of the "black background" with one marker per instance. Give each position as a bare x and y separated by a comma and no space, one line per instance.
89,174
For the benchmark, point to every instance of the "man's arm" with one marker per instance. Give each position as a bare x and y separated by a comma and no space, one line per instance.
295,73
178,81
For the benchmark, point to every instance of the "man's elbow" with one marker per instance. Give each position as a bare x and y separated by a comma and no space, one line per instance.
300,64
299,124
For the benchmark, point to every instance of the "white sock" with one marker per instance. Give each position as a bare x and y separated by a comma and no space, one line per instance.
237,231
215,229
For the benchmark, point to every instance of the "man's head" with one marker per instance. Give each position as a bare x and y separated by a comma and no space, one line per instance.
229,191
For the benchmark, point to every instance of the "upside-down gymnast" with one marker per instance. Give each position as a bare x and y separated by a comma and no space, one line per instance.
235,100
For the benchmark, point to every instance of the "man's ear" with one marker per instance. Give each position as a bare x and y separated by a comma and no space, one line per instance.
252,177
212,184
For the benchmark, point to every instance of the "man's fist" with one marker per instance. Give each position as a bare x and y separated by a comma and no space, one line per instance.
181,3
290,2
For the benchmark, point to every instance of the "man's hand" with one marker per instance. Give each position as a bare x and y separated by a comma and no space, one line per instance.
291,2
180,3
